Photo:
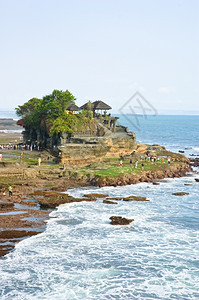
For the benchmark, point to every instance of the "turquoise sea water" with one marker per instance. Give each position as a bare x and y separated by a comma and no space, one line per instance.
82,256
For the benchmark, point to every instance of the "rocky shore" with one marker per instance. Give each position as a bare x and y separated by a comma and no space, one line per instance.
37,190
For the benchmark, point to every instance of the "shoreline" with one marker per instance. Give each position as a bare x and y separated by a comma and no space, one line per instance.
38,190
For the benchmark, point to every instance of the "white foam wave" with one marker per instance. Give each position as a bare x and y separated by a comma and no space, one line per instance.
81,256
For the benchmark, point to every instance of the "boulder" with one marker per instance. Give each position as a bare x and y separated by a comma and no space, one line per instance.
197,179
117,220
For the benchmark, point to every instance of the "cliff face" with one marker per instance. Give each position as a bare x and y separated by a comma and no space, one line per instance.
90,150
103,142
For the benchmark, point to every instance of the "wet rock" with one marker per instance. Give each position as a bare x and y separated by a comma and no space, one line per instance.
8,234
6,205
156,183
181,151
109,202
197,179
117,220
187,184
54,201
194,162
180,194
96,196
135,198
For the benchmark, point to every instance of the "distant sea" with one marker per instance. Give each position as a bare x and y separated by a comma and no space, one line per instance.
82,256
8,114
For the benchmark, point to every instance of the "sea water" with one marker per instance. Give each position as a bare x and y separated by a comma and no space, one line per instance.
82,256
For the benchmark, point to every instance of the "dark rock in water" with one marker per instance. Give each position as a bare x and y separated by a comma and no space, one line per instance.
180,194
181,151
96,196
6,205
116,220
194,162
135,198
52,201
187,184
109,202
156,183
114,198
197,179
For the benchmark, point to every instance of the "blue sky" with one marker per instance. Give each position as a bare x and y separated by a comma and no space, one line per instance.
101,49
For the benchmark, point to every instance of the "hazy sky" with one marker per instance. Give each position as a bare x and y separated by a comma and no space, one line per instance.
101,49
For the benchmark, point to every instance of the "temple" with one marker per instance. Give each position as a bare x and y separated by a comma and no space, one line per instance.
105,138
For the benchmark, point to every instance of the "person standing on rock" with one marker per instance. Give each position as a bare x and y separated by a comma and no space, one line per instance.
121,162
136,164
39,161
10,190
131,162
169,160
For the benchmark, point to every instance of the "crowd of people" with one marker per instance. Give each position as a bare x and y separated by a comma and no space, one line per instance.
11,146
152,159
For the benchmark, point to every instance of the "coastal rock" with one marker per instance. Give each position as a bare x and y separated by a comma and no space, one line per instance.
194,162
135,198
52,201
114,198
181,151
117,220
180,194
6,205
156,183
95,196
197,179
109,202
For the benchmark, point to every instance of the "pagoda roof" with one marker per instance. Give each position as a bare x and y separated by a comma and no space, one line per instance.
88,105
73,107
101,105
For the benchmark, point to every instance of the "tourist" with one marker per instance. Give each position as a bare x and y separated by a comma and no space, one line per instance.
121,162
131,162
10,190
142,166
39,161
169,160
136,164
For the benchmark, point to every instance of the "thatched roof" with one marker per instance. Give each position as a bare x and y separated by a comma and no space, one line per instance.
88,105
73,107
101,105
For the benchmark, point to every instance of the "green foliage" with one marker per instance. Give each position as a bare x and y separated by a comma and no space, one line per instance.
48,117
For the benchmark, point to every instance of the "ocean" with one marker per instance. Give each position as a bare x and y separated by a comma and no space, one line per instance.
82,256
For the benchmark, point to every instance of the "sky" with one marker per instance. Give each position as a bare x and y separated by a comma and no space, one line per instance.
101,50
